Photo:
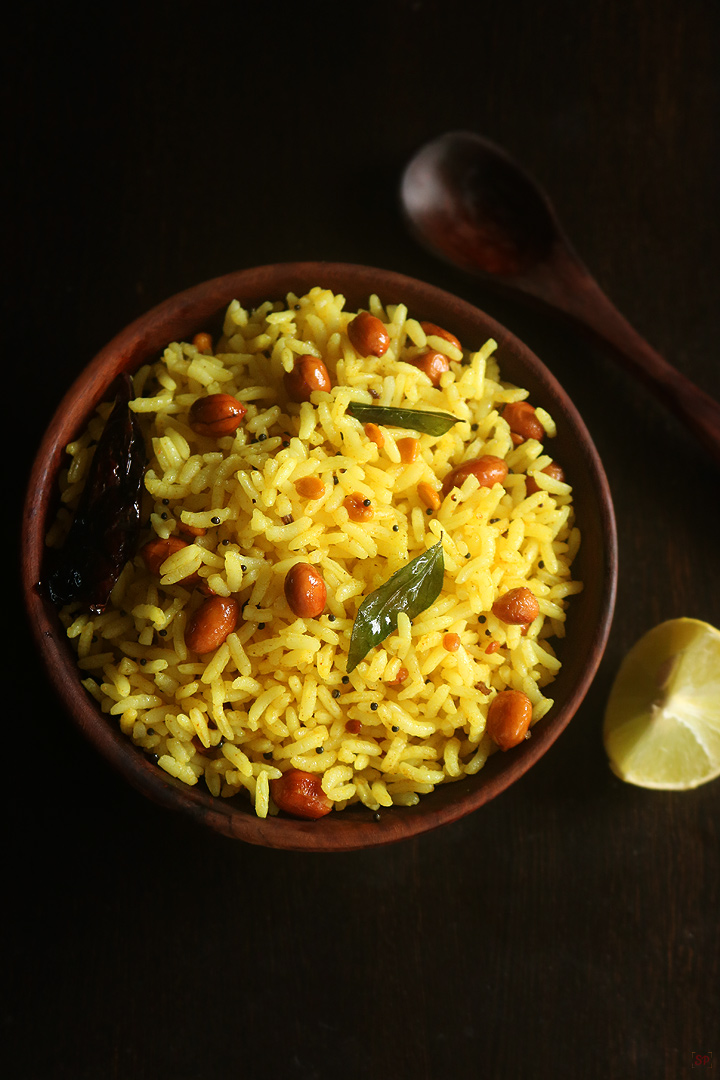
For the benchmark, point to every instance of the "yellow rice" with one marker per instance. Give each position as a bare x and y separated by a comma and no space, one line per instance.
275,695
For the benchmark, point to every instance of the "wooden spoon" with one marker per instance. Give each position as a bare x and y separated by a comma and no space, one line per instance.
466,200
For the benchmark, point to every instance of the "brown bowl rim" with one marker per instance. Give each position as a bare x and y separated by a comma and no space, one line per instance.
173,319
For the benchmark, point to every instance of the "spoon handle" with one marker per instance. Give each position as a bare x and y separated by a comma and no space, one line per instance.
573,290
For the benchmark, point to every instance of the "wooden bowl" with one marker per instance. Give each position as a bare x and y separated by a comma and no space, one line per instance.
589,616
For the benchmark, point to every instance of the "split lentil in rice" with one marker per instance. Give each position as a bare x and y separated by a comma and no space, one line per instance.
300,490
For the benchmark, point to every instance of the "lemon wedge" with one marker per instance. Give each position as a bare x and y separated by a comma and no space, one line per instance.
662,722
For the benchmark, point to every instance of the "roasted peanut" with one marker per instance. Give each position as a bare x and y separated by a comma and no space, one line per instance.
400,677
409,449
428,495
216,415
191,530
308,374
433,330
451,642
508,718
516,607
353,727
553,469
203,343
432,364
156,551
523,420
211,623
305,591
300,794
310,487
374,434
488,469
368,335
358,507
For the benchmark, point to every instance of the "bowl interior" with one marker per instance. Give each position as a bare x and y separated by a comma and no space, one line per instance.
589,616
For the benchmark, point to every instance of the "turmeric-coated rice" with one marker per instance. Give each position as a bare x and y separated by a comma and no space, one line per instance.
276,694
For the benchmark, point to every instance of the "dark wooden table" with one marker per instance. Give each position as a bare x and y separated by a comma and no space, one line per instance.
570,927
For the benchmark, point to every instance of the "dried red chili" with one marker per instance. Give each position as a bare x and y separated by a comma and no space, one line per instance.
104,532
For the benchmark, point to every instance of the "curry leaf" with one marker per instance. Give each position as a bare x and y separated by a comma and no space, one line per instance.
411,589
425,420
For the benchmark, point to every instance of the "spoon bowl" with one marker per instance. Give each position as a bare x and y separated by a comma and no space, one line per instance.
466,200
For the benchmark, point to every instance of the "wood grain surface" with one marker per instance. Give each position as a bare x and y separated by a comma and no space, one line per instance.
569,928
